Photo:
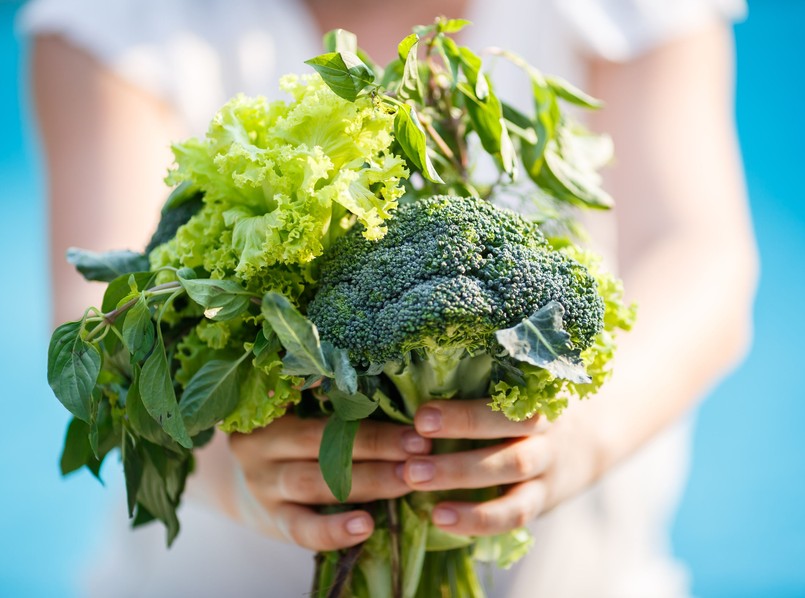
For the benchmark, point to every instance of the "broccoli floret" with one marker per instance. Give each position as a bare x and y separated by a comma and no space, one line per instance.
449,273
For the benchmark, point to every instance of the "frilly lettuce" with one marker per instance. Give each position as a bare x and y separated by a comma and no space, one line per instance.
281,181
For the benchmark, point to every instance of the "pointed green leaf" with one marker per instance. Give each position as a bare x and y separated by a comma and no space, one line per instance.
335,455
211,395
542,341
452,25
346,378
73,368
406,45
410,135
570,93
344,73
138,329
105,267
120,289
140,420
221,299
132,471
299,336
159,397
351,407
340,40
76,452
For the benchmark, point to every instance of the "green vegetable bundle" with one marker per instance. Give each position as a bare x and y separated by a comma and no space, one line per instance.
335,255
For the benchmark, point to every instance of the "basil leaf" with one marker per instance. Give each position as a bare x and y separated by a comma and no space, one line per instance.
159,398
569,181
160,479
570,93
346,378
221,299
452,25
406,45
76,452
344,73
335,455
211,395
411,84
411,136
105,267
299,336
120,289
340,40
132,471
542,341
351,407
486,117
138,329
140,420
73,368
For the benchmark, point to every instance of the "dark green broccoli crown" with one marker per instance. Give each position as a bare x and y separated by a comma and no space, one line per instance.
449,272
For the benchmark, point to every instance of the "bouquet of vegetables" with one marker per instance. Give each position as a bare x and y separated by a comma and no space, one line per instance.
336,255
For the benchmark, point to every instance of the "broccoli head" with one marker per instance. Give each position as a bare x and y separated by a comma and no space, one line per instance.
449,272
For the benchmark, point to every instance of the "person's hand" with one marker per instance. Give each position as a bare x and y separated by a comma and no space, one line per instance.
540,463
281,471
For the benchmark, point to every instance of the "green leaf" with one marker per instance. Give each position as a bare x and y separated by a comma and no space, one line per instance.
299,336
160,486
73,368
486,117
351,407
346,378
120,289
335,455
390,409
344,73
340,40
158,396
132,470
406,45
76,452
542,341
570,93
138,329
570,182
452,25
411,136
141,421
211,394
105,267
411,84
221,299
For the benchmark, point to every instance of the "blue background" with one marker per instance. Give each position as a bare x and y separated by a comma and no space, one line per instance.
741,526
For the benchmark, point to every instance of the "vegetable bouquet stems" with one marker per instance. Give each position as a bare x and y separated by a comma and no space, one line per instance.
336,255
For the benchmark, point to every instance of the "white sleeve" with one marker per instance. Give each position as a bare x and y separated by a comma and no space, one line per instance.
620,30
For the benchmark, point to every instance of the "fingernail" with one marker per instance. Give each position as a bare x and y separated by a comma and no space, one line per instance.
421,471
429,420
414,443
444,516
358,526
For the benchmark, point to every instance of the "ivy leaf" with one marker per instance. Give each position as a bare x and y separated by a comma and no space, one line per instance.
299,336
344,73
105,267
410,135
159,397
211,395
73,368
346,378
542,341
351,407
335,455
138,329
221,299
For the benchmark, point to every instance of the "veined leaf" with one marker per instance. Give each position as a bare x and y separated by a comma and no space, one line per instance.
346,378
335,455
159,398
570,93
411,136
138,330
340,40
542,341
132,471
351,407
105,267
211,395
77,451
344,73
221,299
299,336
73,368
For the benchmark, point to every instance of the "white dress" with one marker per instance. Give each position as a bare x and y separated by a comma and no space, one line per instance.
610,542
